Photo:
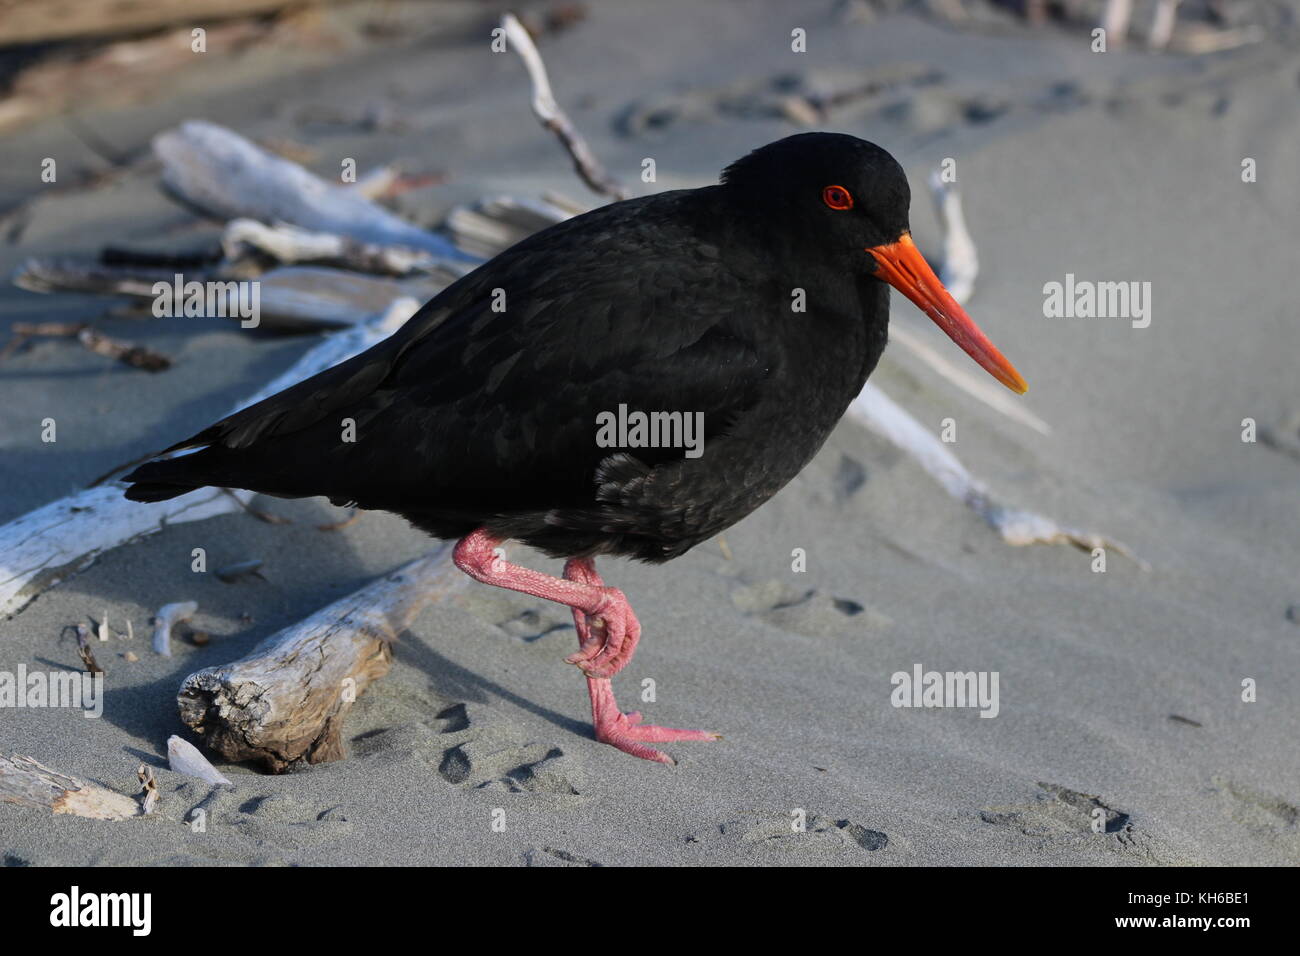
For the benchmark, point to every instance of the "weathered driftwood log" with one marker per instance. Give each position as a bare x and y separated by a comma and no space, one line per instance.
285,702
219,171
29,784
44,546
292,245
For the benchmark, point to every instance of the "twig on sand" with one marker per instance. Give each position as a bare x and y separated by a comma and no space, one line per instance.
961,264
149,795
1115,21
1162,25
136,356
285,702
168,616
41,548
30,784
553,118
879,413
84,649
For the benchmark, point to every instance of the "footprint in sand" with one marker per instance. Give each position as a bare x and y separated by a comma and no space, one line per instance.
808,611
1284,436
777,832
268,818
287,822
551,856
1060,817
1265,816
469,748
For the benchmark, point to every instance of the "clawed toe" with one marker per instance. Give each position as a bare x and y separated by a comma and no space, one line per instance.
628,734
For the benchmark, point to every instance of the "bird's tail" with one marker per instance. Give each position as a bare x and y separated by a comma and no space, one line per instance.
169,477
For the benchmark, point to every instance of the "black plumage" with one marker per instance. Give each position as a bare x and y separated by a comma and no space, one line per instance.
469,417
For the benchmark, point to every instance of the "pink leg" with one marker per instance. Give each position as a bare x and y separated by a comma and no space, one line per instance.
608,632
612,726
605,607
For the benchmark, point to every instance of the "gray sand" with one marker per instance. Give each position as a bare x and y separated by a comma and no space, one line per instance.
1123,166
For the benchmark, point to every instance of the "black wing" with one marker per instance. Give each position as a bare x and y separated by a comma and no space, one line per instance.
486,400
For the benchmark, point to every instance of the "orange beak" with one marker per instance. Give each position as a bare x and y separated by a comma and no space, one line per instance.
901,265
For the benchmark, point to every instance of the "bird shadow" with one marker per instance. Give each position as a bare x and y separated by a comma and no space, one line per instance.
457,682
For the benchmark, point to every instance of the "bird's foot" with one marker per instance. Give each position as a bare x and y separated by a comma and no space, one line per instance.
628,734
607,636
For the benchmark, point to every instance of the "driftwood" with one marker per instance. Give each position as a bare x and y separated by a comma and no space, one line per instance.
44,546
491,225
880,414
230,177
292,299
35,21
289,244
168,616
149,796
136,356
285,703
550,115
63,274
29,784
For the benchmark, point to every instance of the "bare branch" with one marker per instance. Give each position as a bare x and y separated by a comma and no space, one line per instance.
553,118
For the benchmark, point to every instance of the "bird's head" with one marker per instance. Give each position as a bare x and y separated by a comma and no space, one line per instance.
847,200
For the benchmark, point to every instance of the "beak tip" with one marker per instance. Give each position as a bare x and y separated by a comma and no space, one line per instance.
1013,380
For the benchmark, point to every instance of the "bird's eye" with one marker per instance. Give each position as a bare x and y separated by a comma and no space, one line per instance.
837,197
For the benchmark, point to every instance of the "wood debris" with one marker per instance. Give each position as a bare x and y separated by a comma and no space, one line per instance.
230,177
285,702
168,616
548,111
136,356
84,649
28,783
149,796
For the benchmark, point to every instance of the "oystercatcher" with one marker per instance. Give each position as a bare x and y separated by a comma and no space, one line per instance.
755,308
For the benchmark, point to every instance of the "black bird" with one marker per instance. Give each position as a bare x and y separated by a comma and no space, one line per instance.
757,307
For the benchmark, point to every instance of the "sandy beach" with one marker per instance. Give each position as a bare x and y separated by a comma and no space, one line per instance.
1168,698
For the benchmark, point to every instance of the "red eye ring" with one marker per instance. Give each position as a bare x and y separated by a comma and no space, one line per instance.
837,197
